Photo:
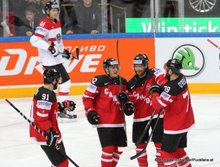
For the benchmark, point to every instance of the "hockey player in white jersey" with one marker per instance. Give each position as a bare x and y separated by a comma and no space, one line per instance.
52,54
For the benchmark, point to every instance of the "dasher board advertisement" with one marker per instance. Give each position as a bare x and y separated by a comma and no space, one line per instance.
19,64
200,57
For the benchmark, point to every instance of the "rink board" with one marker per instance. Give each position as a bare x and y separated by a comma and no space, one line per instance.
21,73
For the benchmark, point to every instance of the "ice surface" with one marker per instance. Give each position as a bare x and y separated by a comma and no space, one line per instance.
82,143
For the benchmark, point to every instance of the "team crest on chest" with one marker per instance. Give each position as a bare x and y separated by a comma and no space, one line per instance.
59,37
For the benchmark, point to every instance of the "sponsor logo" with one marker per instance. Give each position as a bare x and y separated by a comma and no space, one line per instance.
173,25
18,62
192,58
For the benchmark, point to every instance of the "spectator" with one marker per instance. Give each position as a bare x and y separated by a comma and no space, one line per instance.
67,15
4,28
39,6
170,9
88,15
140,7
29,22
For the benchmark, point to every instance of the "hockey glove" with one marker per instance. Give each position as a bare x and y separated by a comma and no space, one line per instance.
53,50
122,97
52,138
67,54
128,108
93,117
155,88
66,105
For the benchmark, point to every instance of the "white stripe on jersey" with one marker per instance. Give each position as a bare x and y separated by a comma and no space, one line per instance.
177,131
91,88
42,115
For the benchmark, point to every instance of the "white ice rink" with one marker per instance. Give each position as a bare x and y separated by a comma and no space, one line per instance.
82,144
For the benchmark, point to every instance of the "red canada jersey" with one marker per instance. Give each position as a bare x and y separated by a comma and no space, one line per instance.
101,96
139,93
176,102
44,113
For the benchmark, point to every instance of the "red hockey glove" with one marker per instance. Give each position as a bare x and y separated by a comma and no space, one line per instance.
66,105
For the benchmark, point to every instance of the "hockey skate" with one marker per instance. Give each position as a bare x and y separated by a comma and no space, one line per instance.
67,116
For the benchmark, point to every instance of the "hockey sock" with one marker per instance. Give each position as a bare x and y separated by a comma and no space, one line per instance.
63,164
107,156
116,156
64,96
183,159
158,154
168,159
142,160
64,91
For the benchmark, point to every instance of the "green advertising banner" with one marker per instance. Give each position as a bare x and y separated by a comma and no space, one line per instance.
173,25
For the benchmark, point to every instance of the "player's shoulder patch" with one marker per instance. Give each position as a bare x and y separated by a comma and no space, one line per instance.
91,88
165,95
42,104
100,80
157,72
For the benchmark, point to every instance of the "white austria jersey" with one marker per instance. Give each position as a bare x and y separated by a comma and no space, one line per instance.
46,32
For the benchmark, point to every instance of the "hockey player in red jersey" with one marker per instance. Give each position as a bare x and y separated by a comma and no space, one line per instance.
138,88
174,98
44,115
52,54
106,112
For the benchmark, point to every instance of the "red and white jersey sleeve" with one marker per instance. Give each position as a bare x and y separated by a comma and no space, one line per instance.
175,100
44,113
46,32
138,89
101,96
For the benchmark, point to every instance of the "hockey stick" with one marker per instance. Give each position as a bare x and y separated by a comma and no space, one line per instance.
71,55
149,138
39,131
213,44
145,129
77,53
120,82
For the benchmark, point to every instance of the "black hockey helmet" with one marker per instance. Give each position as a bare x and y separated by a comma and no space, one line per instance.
175,65
50,75
141,59
110,62
51,5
